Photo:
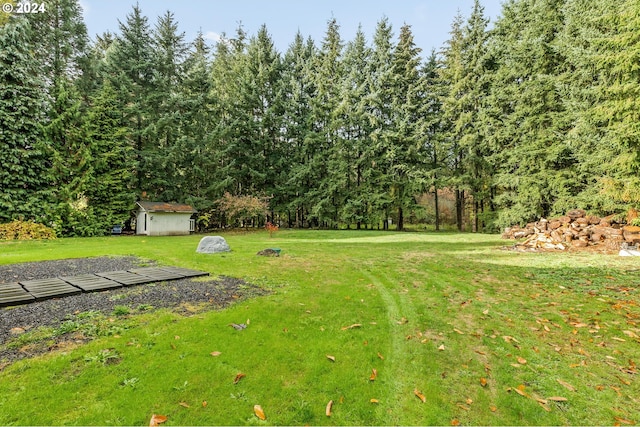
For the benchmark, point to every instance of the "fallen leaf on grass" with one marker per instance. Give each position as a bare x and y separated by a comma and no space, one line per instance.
522,360
374,374
493,408
239,377
441,348
630,334
332,358
215,353
156,420
623,421
520,390
374,401
544,406
419,395
381,357
204,403
184,405
257,409
483,382
327,410
355,325
566,385
557,399
455,422
623,381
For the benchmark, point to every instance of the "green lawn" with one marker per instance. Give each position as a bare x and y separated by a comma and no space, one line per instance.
488,337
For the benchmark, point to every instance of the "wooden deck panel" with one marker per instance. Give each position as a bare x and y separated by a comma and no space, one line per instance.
49,288
157,274
186,272
35,290
125,278
14,294
91,282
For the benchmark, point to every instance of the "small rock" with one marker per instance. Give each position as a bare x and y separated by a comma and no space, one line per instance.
239,326
269,252
17,331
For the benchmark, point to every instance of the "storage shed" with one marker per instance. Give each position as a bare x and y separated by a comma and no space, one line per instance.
164,219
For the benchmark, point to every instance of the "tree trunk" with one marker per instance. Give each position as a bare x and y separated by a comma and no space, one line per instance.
459,209
435,198
476,220
400,226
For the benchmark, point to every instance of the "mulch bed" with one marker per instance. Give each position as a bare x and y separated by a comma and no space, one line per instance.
210,294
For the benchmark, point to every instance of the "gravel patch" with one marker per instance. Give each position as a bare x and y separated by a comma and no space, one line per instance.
212,294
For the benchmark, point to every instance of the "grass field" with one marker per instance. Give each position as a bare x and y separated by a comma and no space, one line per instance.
458,332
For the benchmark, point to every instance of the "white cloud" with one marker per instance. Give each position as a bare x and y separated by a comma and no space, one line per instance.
211,35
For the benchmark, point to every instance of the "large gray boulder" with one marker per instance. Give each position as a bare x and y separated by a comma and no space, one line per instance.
212,245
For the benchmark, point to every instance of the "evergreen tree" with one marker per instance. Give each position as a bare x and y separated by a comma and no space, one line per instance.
404,152
353,137
379,112
297,122
600,90
325,197
61,44
535,166
226,67
450,72
463,73
255,143
129,68
110,189
165,110
24,184
71,167
193,156
431,131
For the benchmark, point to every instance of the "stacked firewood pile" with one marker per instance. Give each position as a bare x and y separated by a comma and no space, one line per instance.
574,230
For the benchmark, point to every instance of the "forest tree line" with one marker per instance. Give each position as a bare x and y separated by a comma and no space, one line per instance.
528,117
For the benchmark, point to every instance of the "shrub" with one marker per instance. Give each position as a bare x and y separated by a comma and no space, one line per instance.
25,230
121,310
271,228
242,209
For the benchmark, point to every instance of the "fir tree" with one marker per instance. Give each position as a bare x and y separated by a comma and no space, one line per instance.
129,68
325,196
379,112
535,166
71,167
193,156
110,191
404,152
24,178
297,89
166,110
353,137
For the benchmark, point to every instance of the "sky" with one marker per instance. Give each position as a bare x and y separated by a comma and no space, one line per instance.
430,20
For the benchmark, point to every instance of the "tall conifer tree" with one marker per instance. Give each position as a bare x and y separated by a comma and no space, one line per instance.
24,183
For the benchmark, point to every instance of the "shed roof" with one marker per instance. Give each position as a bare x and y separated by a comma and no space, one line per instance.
166,207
